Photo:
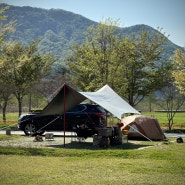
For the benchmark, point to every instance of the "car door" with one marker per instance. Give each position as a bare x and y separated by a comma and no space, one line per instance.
77,116
49,122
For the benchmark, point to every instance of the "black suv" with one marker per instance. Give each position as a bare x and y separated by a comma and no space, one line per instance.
84,119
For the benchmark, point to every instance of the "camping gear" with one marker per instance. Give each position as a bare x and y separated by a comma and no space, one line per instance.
142,127
106,132
49,136
179,140
107,98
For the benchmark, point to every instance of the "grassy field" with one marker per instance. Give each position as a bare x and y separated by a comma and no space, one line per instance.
157,163
179,120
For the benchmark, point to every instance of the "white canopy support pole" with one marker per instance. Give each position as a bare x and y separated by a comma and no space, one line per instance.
106,118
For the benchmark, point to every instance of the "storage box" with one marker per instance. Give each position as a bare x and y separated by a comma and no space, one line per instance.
105,142
96,140
8,132
49,136
105,132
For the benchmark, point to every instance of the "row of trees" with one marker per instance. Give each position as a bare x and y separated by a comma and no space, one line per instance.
21,67
131,65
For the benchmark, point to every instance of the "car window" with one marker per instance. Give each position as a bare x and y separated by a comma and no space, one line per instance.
100,109
78,108
95,108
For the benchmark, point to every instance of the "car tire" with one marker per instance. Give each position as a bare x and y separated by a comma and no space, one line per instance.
30,129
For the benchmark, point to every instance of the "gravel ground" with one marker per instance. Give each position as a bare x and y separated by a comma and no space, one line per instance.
56,142
30,142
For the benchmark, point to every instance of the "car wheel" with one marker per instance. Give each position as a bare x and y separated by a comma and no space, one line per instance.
30,129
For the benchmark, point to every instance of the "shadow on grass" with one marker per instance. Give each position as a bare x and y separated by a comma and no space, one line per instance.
78,149
89,146
75,149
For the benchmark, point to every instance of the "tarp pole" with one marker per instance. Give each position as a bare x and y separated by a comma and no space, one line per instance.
106,119
64,115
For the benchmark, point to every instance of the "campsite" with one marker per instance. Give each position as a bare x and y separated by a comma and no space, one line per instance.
64,159
150,161
86,102
24,161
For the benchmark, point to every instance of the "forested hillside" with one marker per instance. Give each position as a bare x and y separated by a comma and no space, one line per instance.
59,29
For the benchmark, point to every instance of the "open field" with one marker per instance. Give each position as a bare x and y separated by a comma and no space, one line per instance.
179,120
135,162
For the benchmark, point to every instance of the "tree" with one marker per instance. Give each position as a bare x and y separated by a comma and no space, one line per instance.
6,28
131,65
175,82
50,85
143,70
179,72
21,66
5,89
171,101
94,63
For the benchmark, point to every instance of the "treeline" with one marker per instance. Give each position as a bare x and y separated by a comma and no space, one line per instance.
133,65
59,29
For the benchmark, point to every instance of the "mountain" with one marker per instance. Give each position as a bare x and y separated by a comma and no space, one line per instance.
58,29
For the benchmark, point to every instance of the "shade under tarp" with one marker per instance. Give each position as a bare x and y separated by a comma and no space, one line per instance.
105,97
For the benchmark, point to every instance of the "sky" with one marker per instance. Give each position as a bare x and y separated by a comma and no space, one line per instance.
166,14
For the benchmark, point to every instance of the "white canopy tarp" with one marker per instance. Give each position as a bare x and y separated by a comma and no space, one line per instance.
111,101
105,97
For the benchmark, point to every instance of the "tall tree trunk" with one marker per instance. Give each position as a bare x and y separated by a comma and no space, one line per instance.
4,110
30,102
20,105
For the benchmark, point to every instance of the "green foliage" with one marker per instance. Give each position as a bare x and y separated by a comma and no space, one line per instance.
179,71
130,65
2,18
5,27
94,63
21,67
142,71
59,29
67,28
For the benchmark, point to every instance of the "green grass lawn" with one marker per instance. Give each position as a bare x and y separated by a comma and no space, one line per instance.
179,120
157,163
81,163
11,121
13,116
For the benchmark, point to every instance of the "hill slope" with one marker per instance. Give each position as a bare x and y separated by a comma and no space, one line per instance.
58,29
